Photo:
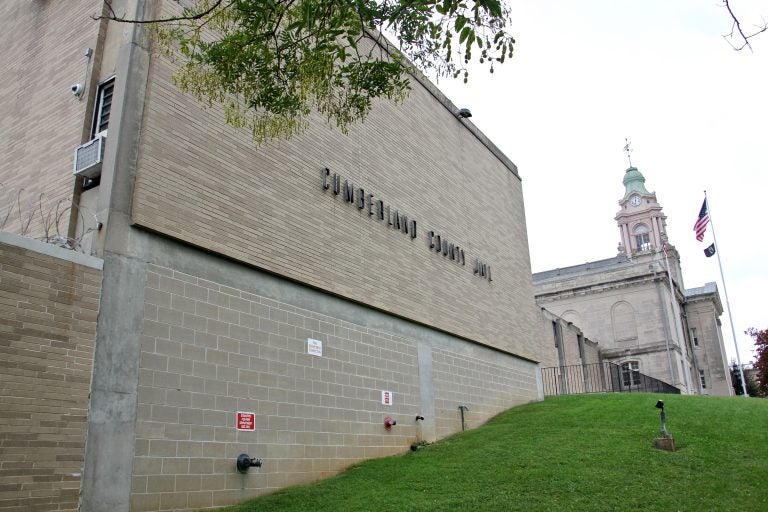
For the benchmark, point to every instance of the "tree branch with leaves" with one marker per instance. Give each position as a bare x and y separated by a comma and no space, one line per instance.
270,63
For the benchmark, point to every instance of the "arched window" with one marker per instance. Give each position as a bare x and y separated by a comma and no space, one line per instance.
630,373
642,238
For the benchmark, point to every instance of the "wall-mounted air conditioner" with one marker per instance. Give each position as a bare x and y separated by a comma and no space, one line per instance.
88,157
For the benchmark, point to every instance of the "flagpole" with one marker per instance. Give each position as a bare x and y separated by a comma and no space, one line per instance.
727,302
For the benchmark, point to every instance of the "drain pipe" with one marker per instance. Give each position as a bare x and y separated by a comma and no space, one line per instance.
463,408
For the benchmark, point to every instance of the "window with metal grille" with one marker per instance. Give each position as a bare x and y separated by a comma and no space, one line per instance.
103,107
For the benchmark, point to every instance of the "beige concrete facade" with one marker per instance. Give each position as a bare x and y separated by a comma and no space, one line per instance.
224,264
625,320
49,299
703,310
571,346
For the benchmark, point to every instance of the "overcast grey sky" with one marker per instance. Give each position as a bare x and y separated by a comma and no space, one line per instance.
587,74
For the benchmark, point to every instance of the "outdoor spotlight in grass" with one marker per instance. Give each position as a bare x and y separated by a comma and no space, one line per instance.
660,405
665,441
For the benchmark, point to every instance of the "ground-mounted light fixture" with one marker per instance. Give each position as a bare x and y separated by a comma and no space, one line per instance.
660,405
665,441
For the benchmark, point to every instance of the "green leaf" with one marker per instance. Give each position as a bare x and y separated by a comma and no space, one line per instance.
460,22
470,40
464,34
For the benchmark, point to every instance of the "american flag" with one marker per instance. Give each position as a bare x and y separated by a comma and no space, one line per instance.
701,223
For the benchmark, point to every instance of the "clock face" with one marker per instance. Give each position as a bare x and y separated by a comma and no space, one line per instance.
635,201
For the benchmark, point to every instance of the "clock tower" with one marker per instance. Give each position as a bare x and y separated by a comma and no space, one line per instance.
642,224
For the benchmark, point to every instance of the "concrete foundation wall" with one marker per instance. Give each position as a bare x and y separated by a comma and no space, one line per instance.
219,338
49,300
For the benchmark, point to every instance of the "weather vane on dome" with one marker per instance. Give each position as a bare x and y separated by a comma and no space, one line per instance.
628,151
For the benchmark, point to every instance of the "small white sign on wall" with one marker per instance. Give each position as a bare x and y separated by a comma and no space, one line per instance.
314,347
387,397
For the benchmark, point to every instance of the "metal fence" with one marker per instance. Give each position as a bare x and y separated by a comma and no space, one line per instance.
600,378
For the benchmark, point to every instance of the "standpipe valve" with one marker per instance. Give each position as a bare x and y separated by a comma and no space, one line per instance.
245,462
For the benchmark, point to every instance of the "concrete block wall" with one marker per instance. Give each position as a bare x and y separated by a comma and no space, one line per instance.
210,349
483,381
49,300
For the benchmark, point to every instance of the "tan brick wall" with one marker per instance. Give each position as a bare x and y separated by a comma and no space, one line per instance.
41,122
48,308
211,350
204,183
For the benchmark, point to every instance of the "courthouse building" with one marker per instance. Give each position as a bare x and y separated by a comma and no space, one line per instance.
310,303
636,307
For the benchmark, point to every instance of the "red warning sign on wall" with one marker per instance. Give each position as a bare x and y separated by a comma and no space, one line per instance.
246,420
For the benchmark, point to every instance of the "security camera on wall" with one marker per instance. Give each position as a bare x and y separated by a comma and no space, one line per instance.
77,89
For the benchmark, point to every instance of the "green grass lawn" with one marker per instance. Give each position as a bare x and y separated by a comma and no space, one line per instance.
588,452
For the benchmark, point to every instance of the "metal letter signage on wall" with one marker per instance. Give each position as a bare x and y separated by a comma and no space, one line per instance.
392,218
246,421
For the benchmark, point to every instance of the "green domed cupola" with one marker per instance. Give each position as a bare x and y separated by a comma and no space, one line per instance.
634,181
